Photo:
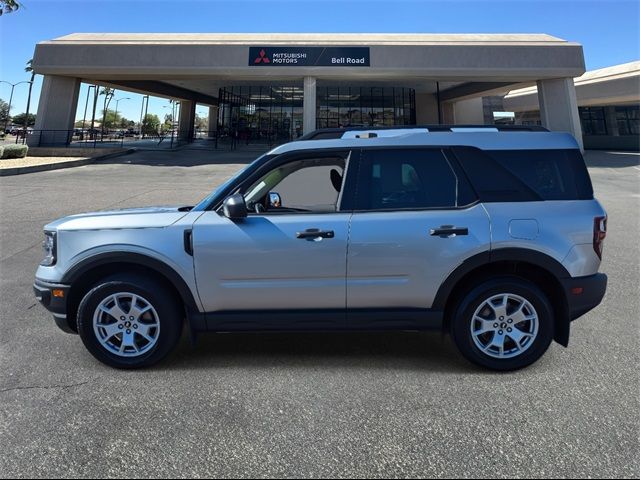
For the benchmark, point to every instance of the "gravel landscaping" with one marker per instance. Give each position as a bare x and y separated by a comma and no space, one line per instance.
34,161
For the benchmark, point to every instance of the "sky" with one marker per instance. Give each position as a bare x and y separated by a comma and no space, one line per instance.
608,29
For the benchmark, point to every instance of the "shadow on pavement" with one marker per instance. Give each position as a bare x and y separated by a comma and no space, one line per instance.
595,158
379,350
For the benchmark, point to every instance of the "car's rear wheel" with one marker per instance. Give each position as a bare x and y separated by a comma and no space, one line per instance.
129,321
503,324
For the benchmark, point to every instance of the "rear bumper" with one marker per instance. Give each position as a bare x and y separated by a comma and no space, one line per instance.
57,305
589,297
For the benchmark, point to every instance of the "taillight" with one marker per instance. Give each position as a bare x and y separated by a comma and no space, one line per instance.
599,234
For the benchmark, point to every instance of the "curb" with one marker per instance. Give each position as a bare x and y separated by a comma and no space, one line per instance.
5,172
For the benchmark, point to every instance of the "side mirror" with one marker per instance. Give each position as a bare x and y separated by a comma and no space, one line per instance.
274,200
234,207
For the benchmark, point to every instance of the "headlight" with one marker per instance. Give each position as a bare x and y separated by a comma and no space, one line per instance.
49,249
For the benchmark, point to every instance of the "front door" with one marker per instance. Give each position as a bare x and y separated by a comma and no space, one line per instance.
290,251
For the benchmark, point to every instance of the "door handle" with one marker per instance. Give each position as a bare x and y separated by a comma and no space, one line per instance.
446,231
311,233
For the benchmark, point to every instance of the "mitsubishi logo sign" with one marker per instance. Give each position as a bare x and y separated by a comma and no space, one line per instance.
262,57
304,56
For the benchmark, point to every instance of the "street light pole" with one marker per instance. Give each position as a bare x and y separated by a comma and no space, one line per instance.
13,85
124,98
116,117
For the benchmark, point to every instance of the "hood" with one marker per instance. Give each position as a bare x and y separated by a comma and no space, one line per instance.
148,217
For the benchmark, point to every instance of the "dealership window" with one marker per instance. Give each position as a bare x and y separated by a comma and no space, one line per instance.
342,106
593,120
628,119
260,114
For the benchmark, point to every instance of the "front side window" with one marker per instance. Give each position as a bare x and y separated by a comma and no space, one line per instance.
401,179
302,186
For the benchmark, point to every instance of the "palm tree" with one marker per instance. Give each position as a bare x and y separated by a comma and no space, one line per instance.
8,6
108,95
29,69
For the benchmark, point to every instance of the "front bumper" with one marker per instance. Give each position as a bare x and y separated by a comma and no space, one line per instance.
584,293
56,304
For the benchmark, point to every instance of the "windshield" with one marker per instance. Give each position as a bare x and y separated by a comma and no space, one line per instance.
221,188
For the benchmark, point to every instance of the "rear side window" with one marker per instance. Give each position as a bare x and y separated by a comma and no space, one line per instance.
552,174
526,175
396,179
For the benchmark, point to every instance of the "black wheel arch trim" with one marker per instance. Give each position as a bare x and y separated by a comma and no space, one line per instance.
534,257
498,255
168,272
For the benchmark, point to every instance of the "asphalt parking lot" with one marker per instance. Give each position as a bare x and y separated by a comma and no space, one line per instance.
366,405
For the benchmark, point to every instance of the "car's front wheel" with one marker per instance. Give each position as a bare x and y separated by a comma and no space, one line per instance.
503,324
129,321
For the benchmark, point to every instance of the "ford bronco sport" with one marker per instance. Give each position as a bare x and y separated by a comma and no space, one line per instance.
490,234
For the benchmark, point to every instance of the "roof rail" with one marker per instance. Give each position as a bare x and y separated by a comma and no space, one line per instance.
333,133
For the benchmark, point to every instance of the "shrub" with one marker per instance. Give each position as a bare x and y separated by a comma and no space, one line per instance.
1,150
14,151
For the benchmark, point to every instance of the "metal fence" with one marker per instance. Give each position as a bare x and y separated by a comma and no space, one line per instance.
95,139
77,138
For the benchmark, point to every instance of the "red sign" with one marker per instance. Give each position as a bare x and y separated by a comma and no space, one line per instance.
262,58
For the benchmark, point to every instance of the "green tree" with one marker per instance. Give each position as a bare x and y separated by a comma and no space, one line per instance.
4,112
202,123
21,119
111,120
168,122
8,6
150,124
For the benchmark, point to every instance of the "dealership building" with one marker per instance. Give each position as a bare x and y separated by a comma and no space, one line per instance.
280,86
608,105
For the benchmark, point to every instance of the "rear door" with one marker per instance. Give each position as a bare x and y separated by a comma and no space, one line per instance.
416,219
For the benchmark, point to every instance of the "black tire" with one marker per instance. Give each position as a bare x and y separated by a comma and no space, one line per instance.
169,311
472,300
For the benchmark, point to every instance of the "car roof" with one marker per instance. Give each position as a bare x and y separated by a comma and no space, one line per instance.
484,140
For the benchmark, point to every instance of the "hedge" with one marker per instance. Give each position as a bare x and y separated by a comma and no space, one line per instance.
14,151
1,150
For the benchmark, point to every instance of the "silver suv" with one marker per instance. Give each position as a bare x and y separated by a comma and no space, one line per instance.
491,235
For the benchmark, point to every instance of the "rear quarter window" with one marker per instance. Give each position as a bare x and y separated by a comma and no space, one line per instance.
526,175
552,174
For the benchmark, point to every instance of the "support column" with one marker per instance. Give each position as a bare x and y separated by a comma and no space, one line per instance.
309,105
426,109
187,120
469,112
559,107
448,113
56,111
213,121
